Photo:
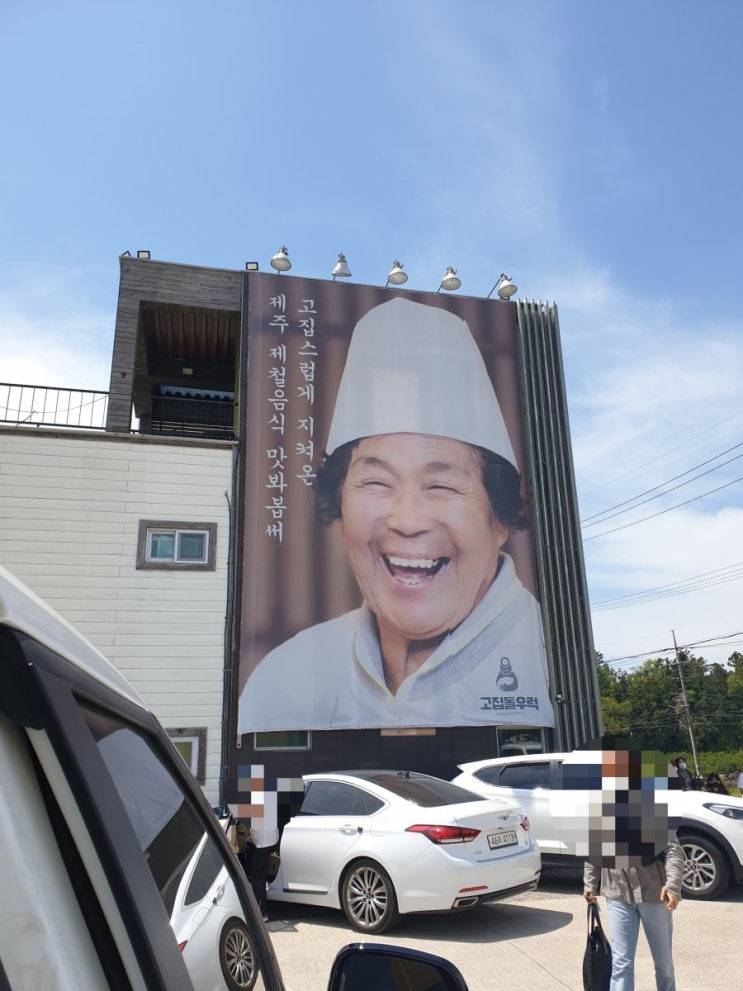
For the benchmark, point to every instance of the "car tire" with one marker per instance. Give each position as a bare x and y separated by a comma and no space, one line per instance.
368,897
236,956
706,870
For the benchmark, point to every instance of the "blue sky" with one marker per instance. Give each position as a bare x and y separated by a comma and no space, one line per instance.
589,150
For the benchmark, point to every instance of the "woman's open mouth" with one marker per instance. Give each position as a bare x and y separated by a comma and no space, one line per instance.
414,570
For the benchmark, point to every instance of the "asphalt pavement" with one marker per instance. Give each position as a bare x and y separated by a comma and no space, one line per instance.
531,942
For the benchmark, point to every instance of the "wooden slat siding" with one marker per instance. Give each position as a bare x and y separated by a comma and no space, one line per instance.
158,282
70,506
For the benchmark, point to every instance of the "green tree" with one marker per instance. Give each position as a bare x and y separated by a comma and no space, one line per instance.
652,693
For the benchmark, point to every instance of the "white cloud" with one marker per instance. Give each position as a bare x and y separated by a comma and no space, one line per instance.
51,336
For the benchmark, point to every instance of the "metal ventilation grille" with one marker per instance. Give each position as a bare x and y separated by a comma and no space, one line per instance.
559,548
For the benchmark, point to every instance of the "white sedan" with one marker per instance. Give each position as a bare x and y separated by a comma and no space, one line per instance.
378,844
208,923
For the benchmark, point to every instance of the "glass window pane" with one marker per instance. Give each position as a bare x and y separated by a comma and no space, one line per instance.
426,792
291,739
526,776
192,546
162,546
186,749
187,865
332,798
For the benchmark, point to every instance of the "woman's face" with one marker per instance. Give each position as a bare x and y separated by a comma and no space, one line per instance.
419,531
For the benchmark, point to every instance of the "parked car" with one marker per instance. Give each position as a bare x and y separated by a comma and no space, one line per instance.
383,843
115,872
206,918
710,828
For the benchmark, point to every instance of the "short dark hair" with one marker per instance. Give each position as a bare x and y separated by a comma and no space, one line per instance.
500,479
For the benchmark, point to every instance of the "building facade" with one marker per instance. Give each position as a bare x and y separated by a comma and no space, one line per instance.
146,531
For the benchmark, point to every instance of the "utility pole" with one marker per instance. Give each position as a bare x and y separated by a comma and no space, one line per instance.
685,700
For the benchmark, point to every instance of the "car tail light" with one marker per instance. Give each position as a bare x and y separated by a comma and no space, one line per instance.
182,946
445,834
525,823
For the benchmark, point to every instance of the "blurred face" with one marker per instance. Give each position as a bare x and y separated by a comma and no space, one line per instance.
613,806
420,534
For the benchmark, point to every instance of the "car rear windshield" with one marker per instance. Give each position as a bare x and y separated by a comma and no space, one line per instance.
422,790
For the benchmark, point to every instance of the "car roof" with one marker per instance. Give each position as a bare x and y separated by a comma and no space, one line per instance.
475,765
367,774
23,610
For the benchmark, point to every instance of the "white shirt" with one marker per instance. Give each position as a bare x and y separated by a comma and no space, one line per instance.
491,669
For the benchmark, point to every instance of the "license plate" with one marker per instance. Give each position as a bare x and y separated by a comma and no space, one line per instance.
507,838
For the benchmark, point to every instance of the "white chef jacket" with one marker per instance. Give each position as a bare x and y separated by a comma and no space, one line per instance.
491,669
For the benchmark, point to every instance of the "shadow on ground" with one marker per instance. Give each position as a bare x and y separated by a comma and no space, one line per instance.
489,923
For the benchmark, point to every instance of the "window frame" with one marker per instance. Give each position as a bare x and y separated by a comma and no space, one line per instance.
261,743
197,737
149,527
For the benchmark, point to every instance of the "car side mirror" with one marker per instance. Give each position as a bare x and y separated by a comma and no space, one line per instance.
381,967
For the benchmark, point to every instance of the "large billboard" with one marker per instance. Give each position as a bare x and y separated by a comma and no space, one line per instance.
388,569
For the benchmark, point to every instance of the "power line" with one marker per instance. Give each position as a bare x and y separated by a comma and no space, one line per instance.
608,514
664,511
681,587
654,653
670,450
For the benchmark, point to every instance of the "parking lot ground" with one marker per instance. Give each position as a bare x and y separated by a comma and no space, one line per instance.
533,941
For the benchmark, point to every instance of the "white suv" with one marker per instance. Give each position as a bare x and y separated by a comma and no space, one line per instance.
115,872
710,827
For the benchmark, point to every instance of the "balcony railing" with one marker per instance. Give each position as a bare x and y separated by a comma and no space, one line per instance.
46,407
188,416
177,416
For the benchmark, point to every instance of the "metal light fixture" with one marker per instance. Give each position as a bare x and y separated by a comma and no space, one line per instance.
280,260
341,270
251,266
450,282
125,254
396,277
505,287
144,255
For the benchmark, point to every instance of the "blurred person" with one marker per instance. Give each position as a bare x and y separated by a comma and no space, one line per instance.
635,861
683,773
715,785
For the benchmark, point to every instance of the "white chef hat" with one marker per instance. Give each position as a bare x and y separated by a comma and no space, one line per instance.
413,368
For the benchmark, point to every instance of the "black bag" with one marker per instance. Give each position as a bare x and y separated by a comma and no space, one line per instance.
597,958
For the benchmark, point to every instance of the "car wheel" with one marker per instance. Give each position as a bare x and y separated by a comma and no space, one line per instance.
368,897
236,956
706,871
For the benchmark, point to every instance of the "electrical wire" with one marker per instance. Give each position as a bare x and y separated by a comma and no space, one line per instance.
662,512
609,513
681,587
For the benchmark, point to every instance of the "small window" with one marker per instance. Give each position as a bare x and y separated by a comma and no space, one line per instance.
191,745
488,775
336,798
208,866
185,546
287,739
526,776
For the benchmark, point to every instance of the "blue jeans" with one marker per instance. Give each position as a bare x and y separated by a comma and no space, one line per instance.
624,927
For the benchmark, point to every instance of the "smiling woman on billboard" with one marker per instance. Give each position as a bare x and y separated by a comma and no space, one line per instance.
420,483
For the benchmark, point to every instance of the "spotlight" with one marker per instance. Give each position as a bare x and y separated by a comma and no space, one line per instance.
505,287
396,277
280,261
450,282
341,270
143,255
